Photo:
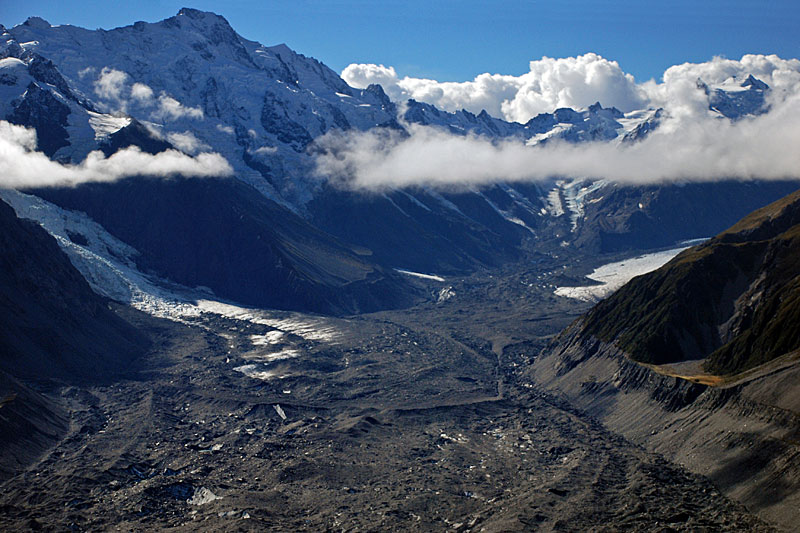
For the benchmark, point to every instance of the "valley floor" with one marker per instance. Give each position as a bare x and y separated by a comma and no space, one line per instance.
419,420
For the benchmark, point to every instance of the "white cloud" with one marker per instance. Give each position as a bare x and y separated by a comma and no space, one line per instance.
225,129
111,86
362,75
763,147
21,166
578,82
485,92
171,109
679,94
575,82
86,72
187,142
117,95
266,150
550,83
141,92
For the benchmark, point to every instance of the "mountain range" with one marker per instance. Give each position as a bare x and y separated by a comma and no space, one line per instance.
193,84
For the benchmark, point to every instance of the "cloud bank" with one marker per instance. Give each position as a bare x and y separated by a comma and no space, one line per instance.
762,147
577,82
691,143
21,166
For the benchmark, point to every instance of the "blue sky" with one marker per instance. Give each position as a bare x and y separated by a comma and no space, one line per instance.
453,40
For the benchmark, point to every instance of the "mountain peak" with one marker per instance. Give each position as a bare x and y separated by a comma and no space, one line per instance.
196,14
204,20
377,90
281,48
212,30
755,83
36,22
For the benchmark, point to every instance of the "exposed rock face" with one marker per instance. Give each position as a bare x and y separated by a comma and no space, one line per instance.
40,110
54,329
617,218
223,235
746,99
741,435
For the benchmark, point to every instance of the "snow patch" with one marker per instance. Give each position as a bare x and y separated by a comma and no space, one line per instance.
269,338
556,206
420,275
575,193
505,214
557,130
415,201
259,372
288,353
104,124
445,294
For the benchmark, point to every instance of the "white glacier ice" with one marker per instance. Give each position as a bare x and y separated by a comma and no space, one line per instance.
612,276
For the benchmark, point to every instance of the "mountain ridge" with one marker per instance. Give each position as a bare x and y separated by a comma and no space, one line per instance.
55,326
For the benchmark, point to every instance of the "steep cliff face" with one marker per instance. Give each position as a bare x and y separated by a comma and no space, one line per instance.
223,235
53,328
622,218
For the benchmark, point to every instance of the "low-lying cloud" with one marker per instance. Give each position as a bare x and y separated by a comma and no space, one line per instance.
21,166
762,147
691,143
187,142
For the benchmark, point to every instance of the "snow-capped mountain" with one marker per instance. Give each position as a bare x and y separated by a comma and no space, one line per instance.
735,98
592,124
191,78
191,83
